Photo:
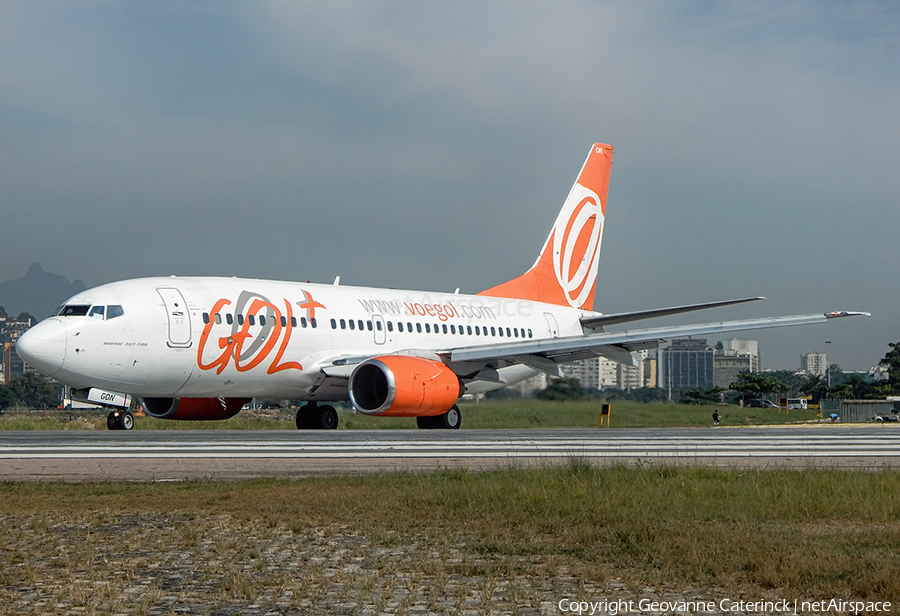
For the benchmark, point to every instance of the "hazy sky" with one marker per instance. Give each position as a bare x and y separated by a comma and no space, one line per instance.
430,145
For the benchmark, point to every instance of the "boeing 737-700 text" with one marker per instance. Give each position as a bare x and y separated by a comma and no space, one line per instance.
200,348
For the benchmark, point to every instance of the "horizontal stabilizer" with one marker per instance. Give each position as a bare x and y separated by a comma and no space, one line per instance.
600,321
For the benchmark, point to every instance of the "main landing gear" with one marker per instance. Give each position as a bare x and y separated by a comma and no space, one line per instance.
314,417
450,420
120,420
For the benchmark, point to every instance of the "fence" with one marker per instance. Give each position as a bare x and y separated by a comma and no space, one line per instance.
858,411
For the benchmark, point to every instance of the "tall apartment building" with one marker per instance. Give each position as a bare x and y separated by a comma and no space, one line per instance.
814,363
686,364
603,373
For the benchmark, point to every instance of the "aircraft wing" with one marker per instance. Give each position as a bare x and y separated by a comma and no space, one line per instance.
545,354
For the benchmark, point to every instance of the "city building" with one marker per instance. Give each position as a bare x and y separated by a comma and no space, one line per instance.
733,357
688,363
814,364
13,366
649,372
602,373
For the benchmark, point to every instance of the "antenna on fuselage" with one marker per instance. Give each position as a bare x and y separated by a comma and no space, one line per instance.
337,281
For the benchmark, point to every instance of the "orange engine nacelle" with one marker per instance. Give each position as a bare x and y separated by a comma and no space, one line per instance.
194,409
401,386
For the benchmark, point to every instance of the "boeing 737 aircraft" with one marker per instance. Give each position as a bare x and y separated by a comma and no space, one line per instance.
201,348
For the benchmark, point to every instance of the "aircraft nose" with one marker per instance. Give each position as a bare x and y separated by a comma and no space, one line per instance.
44,346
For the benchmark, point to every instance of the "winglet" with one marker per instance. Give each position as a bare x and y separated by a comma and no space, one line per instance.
844,313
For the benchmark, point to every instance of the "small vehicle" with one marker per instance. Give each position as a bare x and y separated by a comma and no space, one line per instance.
760,403
797,404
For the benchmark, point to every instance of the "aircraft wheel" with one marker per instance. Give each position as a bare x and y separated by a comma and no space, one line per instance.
450,420
425,423
305,417
126,421
327,418
112,422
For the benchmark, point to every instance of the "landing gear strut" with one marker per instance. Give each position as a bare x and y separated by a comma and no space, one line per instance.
120,420
450,420
314,417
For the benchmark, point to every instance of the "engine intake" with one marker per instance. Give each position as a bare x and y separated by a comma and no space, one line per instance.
401,386
194,409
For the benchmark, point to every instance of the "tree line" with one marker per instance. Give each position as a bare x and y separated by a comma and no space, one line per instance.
31,391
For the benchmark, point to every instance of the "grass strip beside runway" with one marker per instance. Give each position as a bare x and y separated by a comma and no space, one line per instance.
517,537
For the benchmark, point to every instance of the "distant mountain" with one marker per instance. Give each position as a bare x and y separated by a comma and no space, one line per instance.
39,293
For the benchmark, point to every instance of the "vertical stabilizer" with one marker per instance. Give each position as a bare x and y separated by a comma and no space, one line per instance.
565,272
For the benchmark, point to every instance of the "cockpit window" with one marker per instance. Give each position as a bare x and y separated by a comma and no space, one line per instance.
113,311
98,312
73,310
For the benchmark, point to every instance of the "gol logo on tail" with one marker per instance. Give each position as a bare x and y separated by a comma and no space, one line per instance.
576,244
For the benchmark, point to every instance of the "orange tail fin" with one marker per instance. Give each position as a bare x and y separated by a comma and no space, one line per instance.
565,272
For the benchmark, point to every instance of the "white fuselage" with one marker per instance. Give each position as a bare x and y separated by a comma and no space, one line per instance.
230,337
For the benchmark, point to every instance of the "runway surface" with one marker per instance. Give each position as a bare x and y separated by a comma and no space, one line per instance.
206,454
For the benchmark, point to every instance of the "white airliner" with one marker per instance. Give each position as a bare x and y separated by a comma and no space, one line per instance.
200,348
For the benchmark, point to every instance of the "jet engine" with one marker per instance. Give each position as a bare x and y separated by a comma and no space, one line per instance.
402,386
196,409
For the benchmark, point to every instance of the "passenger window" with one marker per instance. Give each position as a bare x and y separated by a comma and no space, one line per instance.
409,327
218,319
284,321
428,328
98,311
302,321
400,326
240,319
378,325
516,331
206,318
477,331
369,325
390,326
352,324
313,323
469,329
333,324
453,329
444,328
343,324
251,319
419,327
262,319
114,311
229,319
493,332
360,324
529,332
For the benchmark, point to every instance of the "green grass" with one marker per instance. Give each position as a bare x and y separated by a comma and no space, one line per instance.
792,534
508,414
